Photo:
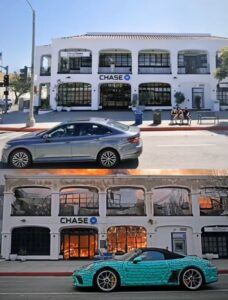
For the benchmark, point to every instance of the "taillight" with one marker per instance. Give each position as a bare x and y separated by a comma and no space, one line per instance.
134,140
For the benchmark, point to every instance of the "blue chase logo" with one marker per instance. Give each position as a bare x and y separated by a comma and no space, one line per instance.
127,77
93,220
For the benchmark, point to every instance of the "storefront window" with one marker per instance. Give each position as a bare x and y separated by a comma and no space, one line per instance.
214,201
31,241
125,201
31,201
122,239
79,243
74,94
78,201
222,93
172,201
115,95
155,94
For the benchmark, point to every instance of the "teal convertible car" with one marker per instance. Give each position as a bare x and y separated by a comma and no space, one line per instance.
147,266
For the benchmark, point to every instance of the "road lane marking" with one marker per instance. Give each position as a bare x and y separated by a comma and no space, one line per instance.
190,145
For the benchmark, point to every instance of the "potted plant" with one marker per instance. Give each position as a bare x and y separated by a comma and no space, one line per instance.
179,98
198,101
22,253
13,256
45,107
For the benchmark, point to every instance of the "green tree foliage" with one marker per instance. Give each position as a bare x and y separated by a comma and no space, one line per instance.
222,71
19,86
179,97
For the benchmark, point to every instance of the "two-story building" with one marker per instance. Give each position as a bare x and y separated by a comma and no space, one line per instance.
115,70
71,217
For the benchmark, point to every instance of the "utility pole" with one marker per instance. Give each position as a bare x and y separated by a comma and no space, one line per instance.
31,119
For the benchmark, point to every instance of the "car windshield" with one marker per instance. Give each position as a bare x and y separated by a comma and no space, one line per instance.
128,256
118,125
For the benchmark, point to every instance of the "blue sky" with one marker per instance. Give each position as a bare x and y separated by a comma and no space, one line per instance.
58,18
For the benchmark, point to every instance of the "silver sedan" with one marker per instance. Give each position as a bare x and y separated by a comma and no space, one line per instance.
102,140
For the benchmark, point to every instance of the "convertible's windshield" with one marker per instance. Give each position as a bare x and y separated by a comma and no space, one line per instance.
128,256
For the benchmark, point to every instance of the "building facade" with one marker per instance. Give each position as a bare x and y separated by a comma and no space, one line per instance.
72,217
117,70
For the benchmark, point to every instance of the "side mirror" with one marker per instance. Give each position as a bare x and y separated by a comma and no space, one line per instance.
137,260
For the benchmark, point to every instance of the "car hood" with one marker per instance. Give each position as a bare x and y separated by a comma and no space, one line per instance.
27,137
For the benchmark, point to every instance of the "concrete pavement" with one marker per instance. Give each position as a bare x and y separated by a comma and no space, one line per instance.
16,120
64,267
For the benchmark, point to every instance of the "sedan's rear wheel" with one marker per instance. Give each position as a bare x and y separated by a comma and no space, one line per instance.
106,280
108,158
192,279
20,159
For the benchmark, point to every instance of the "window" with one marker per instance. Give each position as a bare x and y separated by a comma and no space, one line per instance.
214,201
193,62
118,59
152,255
154,60
31,241
45,95
31,201
45,69
93,130
74,94
172,201
222,94
75,61
125,201
155,94
121,239
79,201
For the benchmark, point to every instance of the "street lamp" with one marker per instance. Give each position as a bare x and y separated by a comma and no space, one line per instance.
31,119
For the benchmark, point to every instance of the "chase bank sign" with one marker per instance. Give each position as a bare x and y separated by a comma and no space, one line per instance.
115,77
78,220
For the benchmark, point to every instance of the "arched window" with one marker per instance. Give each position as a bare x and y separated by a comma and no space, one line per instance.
121,239
31,201
125,201
172,201
31,241
79,201
193,62
155,94
74,94
45,69
75,61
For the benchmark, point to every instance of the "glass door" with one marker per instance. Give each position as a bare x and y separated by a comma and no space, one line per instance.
198,98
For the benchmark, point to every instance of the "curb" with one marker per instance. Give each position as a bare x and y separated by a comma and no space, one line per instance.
212,128
58,274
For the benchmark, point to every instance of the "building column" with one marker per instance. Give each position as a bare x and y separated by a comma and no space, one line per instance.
196,244
6,244
55,205
149,205
174,63
95,87
102,204
54,245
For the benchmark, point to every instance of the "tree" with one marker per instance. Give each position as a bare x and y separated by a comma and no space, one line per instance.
19,86
222,71
179,97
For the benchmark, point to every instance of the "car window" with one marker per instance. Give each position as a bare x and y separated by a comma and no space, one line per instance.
93,129
118,125
152,255
63,131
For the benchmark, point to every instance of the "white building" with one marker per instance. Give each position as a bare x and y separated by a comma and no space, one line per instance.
71,217
113,70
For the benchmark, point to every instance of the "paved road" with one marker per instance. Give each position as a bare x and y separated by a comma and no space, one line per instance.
56,288
163,150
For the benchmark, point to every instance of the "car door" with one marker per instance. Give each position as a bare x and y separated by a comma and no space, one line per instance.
151,270
55,146
88,139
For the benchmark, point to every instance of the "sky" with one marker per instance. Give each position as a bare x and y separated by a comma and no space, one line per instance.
60,18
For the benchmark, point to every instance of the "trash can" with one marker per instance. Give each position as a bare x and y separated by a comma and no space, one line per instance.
157,117
138,116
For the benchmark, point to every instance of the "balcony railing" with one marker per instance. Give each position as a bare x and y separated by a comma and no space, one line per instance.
76,210
200,70
126,209
116,70
45,71
80,70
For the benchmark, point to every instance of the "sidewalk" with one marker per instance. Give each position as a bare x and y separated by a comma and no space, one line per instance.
16,121
63,267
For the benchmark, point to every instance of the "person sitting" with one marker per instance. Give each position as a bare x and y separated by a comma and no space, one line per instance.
187,115
173,115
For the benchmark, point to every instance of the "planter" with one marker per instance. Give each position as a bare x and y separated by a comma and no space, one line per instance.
67,108
13,257
22,258
59,108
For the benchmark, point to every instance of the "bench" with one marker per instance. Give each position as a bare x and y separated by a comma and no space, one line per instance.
208,115
181,120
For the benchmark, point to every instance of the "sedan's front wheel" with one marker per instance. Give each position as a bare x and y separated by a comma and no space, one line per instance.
192,279
20,159
106,280
108,158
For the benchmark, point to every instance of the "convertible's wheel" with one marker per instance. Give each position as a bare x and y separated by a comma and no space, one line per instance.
20,159
106,280
192,279
108,158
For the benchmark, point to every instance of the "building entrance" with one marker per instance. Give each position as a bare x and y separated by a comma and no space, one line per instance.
115,96
79,243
